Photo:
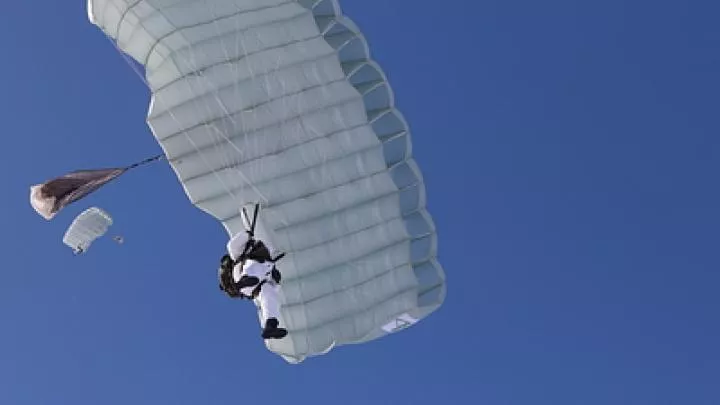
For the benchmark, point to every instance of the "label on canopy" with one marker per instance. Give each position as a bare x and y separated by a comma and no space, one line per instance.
399,323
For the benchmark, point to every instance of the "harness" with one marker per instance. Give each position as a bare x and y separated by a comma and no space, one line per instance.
253,250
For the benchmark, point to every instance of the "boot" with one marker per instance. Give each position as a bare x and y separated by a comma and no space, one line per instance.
271,330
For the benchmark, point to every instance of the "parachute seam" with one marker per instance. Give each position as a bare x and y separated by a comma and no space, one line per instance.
290,304
237,84
316,192
307,169
278,152
184,155
353,314
427,290
229,61
224,17
366,88
379,224
306,221
122,18
345,42
326,190
251,107
362,257
199,68
341,102
278,123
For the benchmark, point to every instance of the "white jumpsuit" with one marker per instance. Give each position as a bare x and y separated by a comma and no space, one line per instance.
268,299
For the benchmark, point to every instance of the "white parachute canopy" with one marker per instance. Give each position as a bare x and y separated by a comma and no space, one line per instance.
278,102
86,228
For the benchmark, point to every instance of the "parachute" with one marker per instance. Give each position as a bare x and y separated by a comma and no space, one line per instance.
90,225
278,102
51,197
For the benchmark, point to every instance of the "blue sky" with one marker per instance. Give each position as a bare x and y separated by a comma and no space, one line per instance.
571,156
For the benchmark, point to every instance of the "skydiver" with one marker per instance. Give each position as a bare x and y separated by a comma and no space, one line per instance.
248,271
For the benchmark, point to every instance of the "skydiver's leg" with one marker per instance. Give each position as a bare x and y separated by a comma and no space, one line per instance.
270,301
270,307
248,280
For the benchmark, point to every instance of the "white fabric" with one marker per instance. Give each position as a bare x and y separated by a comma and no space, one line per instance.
42,205
88,226
236,244
278,102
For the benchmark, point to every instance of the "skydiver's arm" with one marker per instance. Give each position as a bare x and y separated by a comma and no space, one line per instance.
236,245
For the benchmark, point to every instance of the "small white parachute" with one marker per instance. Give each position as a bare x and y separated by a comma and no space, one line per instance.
86,228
